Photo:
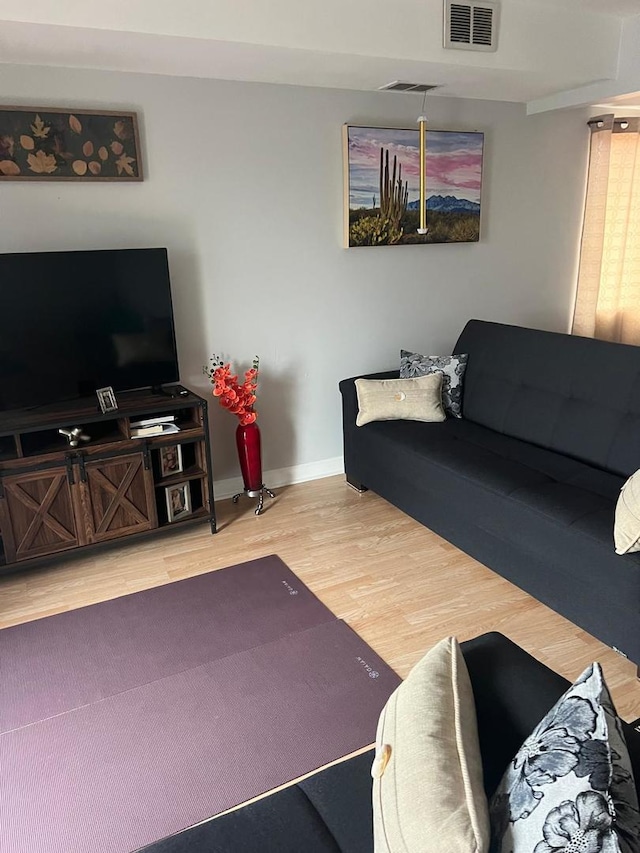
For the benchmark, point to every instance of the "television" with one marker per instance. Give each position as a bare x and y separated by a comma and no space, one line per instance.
72,322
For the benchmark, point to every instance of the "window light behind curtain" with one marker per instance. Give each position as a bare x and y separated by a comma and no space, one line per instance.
608,298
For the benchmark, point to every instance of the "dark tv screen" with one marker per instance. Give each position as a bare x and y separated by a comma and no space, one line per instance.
71,322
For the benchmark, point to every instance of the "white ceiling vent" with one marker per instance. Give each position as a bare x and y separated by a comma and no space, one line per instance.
471,26
400,86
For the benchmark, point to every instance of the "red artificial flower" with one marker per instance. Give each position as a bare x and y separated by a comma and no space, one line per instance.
234,396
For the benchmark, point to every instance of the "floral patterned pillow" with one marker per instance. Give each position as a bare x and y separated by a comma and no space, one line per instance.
570,787
452,368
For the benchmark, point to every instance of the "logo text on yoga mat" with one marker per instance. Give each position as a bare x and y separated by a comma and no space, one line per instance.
288,587
371,672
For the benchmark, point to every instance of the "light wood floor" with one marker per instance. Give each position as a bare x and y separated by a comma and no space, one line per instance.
401,587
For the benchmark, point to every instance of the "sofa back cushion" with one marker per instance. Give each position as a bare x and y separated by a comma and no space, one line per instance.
574,395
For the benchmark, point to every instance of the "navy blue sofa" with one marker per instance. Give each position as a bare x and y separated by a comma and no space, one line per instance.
527,480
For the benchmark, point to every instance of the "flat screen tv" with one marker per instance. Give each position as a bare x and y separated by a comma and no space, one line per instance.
72,322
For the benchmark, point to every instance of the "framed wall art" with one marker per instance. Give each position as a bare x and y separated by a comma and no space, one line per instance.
382,186
49,144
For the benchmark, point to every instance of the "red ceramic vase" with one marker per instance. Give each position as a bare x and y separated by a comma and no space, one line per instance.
248,443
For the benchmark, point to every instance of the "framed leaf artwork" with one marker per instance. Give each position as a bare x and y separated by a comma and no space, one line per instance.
49,144
382,186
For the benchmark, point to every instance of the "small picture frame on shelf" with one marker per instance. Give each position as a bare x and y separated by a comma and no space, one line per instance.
170,460
178,501
107,399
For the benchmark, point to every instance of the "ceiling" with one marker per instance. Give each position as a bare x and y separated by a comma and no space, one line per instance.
545,47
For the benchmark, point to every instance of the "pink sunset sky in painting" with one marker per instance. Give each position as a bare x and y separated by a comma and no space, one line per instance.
454,163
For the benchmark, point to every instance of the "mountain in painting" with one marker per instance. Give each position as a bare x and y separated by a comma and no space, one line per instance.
447,204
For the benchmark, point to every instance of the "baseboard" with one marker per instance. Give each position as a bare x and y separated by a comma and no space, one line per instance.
283,476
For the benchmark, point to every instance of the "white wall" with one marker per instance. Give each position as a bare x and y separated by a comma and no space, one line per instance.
244,186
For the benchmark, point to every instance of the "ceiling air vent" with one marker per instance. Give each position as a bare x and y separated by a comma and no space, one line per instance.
471,26
399,86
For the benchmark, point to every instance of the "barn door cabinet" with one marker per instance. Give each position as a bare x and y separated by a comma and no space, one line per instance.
55,499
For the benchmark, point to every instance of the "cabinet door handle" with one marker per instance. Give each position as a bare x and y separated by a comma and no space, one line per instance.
146,455
83,470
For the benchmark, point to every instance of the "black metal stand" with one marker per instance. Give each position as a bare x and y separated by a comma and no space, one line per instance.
255,493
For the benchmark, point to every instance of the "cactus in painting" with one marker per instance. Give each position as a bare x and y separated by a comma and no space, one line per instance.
385,228
373,231
393,193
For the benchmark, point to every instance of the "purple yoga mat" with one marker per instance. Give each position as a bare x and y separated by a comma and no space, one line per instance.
59,663
188,740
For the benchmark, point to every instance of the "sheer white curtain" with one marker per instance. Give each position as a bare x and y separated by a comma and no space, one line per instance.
608,298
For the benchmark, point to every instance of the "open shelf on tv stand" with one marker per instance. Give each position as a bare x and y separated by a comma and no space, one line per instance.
57,499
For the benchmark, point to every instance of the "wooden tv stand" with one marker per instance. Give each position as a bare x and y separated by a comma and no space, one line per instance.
55,498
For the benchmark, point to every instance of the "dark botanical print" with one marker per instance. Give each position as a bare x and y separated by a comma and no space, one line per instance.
550,752
570,788
452,368
579,826
594,761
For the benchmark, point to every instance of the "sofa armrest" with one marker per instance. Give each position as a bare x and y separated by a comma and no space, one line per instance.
329,812
349,397
349,428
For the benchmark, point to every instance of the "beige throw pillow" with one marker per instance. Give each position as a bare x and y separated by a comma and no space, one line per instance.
428,795
626,528
417,399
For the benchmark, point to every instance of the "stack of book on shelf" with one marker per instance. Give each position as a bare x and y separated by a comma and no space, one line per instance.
158,425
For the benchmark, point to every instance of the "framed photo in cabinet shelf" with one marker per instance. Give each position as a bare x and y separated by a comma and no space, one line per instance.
170,460
178,501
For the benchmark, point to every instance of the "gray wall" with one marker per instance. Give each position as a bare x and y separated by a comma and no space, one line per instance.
244,186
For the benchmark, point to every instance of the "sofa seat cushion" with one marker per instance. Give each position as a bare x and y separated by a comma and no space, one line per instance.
568,505
445,448
445,476
556,466
566,494
487,468
566,491
329,812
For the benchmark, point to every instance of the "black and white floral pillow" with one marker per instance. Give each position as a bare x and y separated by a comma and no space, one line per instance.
452,368
570,787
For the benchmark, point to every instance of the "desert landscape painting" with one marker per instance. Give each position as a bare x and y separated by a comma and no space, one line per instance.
382,186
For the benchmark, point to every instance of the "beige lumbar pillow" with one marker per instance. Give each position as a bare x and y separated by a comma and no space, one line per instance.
428,794
417,399
626,529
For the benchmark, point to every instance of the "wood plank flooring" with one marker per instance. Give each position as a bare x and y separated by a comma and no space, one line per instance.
401,587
